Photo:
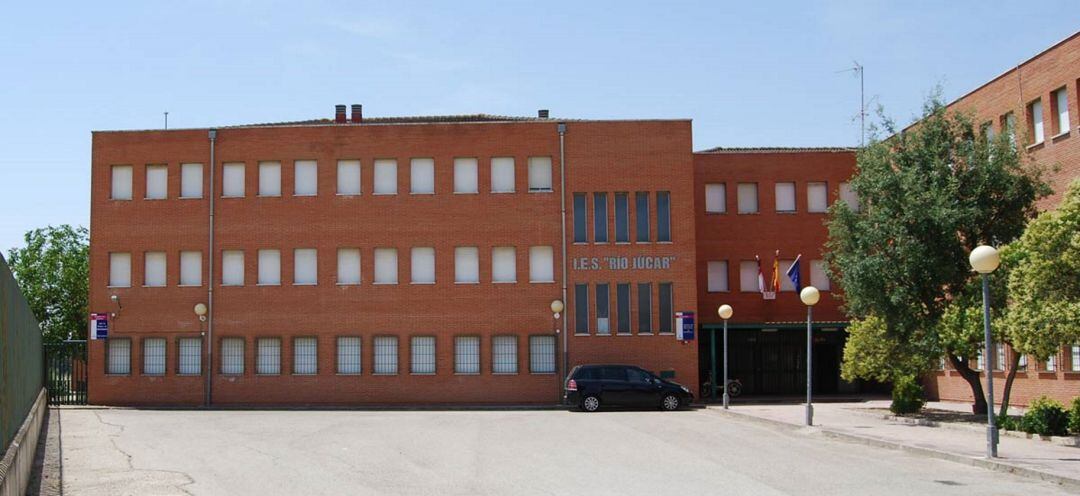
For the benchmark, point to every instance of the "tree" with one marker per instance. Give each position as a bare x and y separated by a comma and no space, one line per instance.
53,272
932,193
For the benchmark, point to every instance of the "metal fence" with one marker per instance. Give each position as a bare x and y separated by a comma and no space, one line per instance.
20,356
65,372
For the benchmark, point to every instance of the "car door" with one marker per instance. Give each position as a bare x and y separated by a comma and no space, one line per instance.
615,388
644,388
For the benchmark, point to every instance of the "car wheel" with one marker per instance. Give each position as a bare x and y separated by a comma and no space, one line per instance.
590,403
670,403
736,389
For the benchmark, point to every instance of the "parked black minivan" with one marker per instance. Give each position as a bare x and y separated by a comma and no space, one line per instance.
590,386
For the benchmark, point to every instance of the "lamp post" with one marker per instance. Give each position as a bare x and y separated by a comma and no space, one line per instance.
200,311
984,260
556,309
809,296
725,312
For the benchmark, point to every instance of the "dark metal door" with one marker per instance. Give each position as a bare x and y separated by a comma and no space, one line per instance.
65,372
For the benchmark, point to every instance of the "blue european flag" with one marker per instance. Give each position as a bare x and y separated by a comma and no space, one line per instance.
793,274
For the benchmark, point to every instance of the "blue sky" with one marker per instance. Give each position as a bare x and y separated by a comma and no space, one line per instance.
747,73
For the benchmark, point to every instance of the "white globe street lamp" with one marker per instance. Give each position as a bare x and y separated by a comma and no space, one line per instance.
984,260
725,312
809,296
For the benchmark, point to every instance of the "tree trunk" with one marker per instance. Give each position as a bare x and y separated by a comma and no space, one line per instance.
972,378
1013,365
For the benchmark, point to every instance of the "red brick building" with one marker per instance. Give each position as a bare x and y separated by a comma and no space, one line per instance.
1036,102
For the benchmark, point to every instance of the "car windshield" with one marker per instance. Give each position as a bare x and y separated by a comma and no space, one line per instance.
637,375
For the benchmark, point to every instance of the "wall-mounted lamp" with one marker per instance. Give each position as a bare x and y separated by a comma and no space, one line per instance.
200,310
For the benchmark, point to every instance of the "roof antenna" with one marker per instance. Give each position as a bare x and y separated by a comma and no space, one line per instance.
166,120
858,69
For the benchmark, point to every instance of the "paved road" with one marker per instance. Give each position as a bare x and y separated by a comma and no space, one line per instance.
117,451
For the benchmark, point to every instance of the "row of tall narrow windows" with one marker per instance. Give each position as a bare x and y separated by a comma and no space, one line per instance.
598,318
1000,356
601,233
817,197
718,280
349,356
1059,109
504,264
350,178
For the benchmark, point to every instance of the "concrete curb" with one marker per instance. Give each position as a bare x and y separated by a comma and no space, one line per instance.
995,465
1067,441
326,408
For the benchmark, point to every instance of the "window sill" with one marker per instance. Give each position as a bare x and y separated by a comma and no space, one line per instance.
118,287
467,282
188,375
120,199
580,243
722,291
313,374
226,197
665,242
384,374
466,373
117,375
144,374
644,333
230,285
502,192
348,374
189,285
384,194
1060,136
541,190
639,242
1035,146
542,282
598,333
266,285
716,213
504,373
749,213
422,193
200,198
155,199
466,192
347,195
421,283
541,373
268,375
787,212
622,243
348,284
422,373
581,334
267,196
304,196
155,286
305,284
384,283
504,282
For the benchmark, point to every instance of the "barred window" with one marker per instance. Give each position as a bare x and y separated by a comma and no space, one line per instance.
268,356
504,354
423,354
349,354
644,307
305,356
542,354
1075,352
154,356
999,356
386,355
119,356
232,356
467,355
190,356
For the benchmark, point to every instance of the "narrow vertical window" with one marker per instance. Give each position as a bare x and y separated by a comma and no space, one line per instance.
503,264
232,268
1061,110
305,356
785,197
119,360
232,356
349,356
581,308
847,195
663,216
1035,114
999,356
305,267
504,358
502,175
348,266
348,177
785,282
666,303
119,270
644,295
600,222
1075,354
157,182
716,198
539,173
386,355
423,354
121,182
580,219
641,208
306,178
191,268
466,265
603,300
717,276
386,266
622,217
542,354
268,356
819,276
817,197
154,273
385,176
154,356
1008,125
1051,363
269,267
748,277
467,355
189,356
465,176
622,307
422,176
232,180
423,265
541,264
269,178
748,198
191,180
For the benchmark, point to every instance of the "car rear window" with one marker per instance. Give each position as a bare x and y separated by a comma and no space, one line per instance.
585,374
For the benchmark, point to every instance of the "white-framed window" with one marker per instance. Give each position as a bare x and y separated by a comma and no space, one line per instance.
848,196
232,180
153,356
999,356
386,266
465,180
232,267
541,264
348,266
503,264
386,355
348,178
466,264
718,276
422,176
748,201
540,174
269,267
980,360
119,356
785,197
189,356
120,270
385,174
1008,122
748,276
349,355
1051,363
191,268
502,175
423,265
191,180
542,354
716,198
819,277
155,268
157,182
1074,353
1061,109
305,267
422,349
268,356
269,178
1022,363
1035,111
467,355
504,355
121,182
785,281
232,356
306,175
817,197
305,356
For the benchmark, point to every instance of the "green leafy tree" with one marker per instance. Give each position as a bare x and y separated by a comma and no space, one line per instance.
931,194
53,273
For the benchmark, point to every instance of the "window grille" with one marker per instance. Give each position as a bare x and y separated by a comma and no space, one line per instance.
232,356
386,355
349,356
154,356
467,355
504,354
305,356
119,356
268,356
423,355
542,354
189,356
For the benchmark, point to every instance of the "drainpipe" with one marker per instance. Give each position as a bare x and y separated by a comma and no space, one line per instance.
562,196
210,282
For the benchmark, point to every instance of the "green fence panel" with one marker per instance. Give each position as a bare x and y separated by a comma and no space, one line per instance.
21,356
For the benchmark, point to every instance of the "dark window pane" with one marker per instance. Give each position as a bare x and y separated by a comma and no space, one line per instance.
638,376
663,216
613,374
600,217
602,301
642,212
580,219
581,308
667,318
623,306
622,218
644,298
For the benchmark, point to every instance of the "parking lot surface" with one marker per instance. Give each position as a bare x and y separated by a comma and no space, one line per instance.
271,452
